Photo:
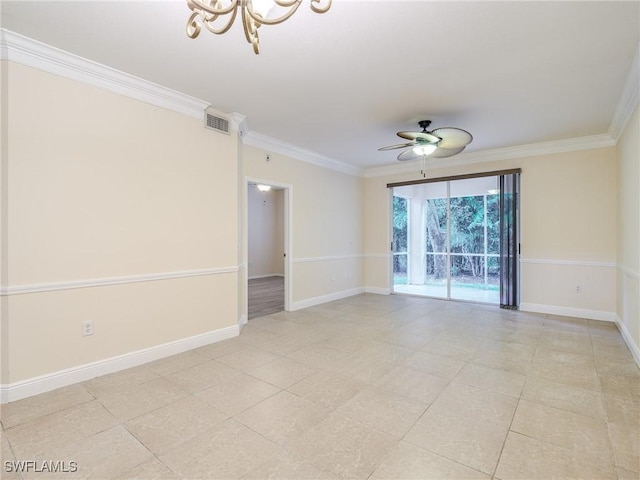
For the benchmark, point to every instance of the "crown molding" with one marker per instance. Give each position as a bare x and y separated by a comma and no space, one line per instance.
26,51
508,153
239,123
271,144
628,101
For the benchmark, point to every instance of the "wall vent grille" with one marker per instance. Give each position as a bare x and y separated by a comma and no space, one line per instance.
216,123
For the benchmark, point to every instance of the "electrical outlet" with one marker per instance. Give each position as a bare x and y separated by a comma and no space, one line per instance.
578,288
87,328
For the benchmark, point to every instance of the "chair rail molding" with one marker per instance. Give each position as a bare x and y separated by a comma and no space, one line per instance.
100,282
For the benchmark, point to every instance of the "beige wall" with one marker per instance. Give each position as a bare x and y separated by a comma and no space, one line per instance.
327,224
568,215
101,187
97,186
265,232
628,308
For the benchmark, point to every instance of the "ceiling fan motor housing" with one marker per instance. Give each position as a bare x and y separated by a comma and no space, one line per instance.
424,124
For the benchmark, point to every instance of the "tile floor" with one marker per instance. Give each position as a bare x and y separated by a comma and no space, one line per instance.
369,387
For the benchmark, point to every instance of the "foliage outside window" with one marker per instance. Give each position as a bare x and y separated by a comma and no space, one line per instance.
474,246
400,239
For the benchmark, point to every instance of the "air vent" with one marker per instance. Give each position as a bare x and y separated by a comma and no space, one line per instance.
216,123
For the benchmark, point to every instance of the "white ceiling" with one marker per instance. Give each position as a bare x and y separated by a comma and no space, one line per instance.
341,84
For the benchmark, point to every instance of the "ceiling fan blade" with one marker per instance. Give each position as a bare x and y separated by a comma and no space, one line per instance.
427,137
409,155
445,152
453,137
393,147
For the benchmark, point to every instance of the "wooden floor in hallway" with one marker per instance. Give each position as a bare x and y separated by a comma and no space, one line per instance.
266,296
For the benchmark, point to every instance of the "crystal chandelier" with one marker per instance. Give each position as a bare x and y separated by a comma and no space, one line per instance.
253,12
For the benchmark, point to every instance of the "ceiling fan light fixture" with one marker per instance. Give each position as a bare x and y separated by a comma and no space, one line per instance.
424,149
263,188
439,143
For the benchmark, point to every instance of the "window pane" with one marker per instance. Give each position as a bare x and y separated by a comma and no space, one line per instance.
400,223
467,224
436,267
400,269
436,224
493,224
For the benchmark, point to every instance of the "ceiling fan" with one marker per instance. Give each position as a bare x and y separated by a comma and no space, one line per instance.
438,143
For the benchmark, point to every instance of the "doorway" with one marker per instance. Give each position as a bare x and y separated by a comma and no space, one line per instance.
449,242
267,227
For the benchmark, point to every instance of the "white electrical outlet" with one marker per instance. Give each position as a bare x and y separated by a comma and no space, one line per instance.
578,288
87,328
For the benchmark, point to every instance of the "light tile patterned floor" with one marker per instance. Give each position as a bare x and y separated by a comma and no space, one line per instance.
379,387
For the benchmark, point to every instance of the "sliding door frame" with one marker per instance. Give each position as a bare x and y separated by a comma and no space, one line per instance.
499,174
496,173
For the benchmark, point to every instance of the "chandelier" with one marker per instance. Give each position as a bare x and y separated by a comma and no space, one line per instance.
253,12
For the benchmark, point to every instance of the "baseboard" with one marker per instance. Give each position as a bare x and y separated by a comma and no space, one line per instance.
243,321
310,302
569,312
253,277
635,350
81,373
378,290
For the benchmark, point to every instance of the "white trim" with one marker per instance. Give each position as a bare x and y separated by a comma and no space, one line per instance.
628,99
327,258
485,156
569,312
635,351
243,321
267,275
26,51
377,255
310,302
81,373
238,123
100,282
579,263
271,144
628,272
377,290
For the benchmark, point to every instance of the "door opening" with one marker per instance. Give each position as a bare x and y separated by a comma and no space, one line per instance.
452,233
267,243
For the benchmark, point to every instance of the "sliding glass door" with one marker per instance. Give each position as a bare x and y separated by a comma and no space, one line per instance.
466,248
474,239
